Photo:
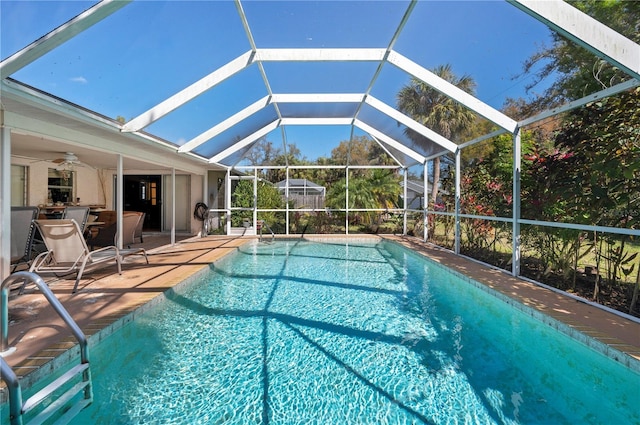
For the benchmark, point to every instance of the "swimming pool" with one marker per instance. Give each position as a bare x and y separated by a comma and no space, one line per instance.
302,333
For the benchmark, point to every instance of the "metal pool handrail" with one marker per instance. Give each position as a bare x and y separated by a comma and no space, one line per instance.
261,224
16,407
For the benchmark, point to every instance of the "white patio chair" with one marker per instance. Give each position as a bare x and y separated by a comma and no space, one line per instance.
67,250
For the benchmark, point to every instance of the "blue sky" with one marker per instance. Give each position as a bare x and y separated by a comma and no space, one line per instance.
149,50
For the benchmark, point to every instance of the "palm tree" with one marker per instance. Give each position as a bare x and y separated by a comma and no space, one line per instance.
377,189
437,112
385,187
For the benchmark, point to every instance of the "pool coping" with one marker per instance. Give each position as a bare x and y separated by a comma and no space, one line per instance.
44,362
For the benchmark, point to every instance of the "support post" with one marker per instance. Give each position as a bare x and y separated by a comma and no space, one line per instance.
516,201
119,200
254,220
5,201
205,192
346,201
457,205
425,203
404,203
227,200
173,206
286,197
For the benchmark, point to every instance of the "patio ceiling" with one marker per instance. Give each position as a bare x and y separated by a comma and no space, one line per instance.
252,71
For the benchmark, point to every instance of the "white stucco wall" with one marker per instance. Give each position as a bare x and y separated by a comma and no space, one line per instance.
87,184
92,190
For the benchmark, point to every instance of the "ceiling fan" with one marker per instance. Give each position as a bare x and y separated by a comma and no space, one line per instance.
67,164
68,160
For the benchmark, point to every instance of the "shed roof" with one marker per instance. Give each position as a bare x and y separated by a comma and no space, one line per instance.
300,183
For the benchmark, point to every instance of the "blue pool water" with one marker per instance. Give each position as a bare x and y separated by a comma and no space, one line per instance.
306,333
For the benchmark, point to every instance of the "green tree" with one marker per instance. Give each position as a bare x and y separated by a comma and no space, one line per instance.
437,111
592,177
268,198
576,72
385,187
604,138
376,189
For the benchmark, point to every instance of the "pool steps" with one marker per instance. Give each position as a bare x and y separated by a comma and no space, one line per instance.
79,376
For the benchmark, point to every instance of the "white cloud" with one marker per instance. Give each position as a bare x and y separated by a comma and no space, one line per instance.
80,80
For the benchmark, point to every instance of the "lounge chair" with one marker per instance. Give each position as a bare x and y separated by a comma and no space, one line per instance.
79,214
67,251
108,235
129,223
22,232
138,229
138,232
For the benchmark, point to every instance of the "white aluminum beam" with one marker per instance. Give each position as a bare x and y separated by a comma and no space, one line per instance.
320,55
245,142
317,121
264,102
585,31
411,123
389,141
318,98
225,125
388,152
452,91
629,84
487,136
435,155
189,93
392,43
59,36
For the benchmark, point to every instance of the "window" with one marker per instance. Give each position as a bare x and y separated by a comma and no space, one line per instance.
60,186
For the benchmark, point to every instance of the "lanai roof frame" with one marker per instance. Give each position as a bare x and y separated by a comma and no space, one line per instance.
565,19
557,16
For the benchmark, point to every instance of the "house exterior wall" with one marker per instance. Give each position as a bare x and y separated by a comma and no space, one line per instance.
95,187
87,184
